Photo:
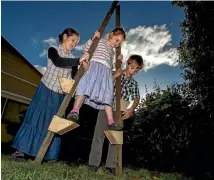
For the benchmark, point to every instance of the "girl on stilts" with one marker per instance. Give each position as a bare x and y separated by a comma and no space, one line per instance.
47,99
96,85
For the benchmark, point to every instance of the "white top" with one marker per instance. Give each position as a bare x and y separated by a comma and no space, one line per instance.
103,54
53,73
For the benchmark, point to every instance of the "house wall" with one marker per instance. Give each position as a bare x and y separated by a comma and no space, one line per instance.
19,81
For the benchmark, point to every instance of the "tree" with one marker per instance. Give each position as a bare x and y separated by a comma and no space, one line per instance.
196,50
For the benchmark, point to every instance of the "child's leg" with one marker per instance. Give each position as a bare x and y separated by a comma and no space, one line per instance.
78,103
74,114
111,123
109,114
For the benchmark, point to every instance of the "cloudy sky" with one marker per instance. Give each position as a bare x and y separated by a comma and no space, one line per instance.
152,31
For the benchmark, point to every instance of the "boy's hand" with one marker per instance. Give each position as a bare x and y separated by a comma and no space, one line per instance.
127,114
118,73
96,35
84,57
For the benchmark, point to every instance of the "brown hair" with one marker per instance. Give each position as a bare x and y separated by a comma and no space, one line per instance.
119,31
68,32
137,58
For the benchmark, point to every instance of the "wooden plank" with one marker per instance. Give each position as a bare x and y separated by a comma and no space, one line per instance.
61,126
14,65
119,165
6,47
118,66
64,105
15,98
115,137
4,104
42,151
118,102
17,86
66,84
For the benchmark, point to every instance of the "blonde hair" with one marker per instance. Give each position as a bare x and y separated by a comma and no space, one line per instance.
117,32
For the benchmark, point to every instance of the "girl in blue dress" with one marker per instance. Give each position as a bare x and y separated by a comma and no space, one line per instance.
48,99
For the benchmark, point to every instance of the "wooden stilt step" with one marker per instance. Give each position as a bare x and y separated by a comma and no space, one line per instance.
61,126
66,84
114,137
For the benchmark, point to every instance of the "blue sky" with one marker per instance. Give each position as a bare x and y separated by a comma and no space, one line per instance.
27,24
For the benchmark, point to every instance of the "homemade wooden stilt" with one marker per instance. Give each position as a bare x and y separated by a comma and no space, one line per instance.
64,105
119,166
61,126
114,137
66,84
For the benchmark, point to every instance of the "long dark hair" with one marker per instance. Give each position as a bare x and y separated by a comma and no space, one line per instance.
68,32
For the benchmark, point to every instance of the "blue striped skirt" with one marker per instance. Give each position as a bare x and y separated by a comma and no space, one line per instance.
31,134
97,86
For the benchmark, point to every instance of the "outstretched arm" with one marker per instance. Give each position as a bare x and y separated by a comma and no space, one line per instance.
87,45
59,61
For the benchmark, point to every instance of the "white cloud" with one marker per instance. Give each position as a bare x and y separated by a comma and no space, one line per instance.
34,41
48,42
43,53
41,69
153,44
79,47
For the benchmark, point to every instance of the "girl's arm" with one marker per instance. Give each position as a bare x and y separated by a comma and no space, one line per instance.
59,61
87,45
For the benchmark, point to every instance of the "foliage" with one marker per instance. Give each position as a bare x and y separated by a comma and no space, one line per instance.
196,50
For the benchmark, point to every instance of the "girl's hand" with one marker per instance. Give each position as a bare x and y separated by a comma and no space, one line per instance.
84,57
120,58
96,35
85,65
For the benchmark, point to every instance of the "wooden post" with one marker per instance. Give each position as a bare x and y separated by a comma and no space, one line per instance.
118,104
47,141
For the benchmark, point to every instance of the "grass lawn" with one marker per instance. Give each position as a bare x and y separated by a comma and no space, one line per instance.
12,170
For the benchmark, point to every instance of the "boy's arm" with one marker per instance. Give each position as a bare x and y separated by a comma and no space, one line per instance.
135,104
116,74
136,97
